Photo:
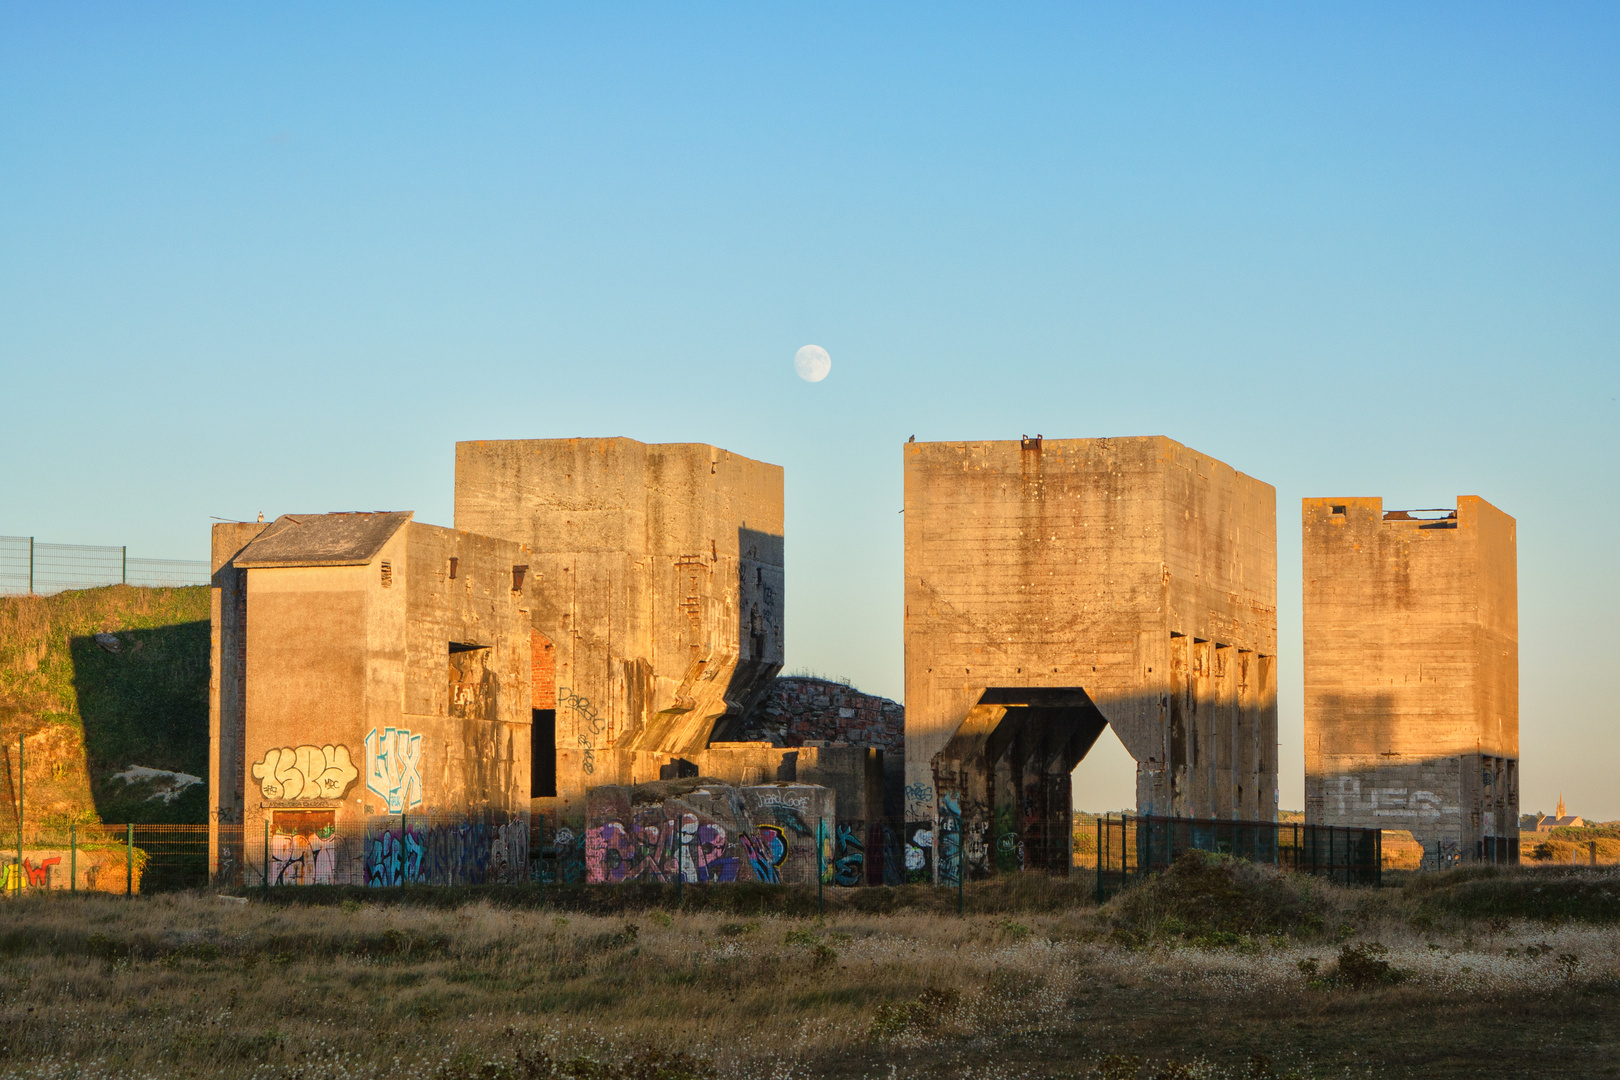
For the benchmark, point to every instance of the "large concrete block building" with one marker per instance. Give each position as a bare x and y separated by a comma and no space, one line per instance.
1412,673
368,670
657,610
1053,587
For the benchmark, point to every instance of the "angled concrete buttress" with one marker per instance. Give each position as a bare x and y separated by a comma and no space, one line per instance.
1053,587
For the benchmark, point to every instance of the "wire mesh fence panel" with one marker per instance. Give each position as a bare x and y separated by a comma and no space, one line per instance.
58,567
15,560
29,566
167,573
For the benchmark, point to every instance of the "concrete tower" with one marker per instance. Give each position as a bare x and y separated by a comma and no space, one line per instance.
1412,673
1055,587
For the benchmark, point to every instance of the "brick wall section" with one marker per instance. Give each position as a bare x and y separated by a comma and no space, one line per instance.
544,666
799,710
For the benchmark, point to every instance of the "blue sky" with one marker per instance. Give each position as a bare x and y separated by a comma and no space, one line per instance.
281,257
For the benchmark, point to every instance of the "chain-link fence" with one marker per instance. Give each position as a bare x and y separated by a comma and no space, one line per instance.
28,566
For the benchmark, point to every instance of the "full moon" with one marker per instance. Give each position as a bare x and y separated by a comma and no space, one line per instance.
812,363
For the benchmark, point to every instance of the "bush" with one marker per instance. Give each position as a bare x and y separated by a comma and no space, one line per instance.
1361,966
1216,900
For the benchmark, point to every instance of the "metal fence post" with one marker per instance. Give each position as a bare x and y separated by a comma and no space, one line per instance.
961,865
129,860
820,870
30,566
1098,861
123,565
73,857
267,858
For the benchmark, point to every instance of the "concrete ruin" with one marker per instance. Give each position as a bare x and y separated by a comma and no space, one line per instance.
657,610
369,670
1053,587
1412,674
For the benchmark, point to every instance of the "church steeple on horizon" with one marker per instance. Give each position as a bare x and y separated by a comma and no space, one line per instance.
1560,813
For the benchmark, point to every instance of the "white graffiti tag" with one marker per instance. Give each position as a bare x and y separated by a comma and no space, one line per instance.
393,767
309,772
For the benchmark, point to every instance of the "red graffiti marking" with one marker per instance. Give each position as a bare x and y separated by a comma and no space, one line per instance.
40,875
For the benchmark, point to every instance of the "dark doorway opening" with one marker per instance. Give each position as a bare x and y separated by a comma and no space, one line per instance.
543,754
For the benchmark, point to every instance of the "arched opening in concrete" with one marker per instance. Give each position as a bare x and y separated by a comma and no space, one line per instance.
1004,779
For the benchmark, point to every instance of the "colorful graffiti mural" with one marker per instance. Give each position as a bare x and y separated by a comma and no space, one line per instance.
446,853
707,833
97,869
303,847
849,855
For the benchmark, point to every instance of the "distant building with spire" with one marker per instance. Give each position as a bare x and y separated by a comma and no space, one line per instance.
1545,824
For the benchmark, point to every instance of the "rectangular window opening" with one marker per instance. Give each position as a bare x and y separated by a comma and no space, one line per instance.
518,574
543,754
455,564
1338,509
387,574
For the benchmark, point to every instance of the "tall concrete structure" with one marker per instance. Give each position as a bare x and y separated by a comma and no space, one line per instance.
1412,673
366,666
1054,587
657,618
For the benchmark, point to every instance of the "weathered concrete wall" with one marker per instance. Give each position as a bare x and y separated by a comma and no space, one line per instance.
1131,581
704,831
659,577
474,703
227,692
1411,671
348,693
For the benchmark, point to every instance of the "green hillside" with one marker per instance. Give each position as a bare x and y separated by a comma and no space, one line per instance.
90,710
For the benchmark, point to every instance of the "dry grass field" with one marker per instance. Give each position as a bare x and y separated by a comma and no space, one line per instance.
1215,969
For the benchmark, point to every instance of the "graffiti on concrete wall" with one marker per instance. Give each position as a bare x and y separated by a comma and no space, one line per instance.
305,772
88,870
919,801
919,851
767,850
39,874
849,855
948,839
566,858
304,848
726,834
588,725
394,767
1350,797
446,853
654,847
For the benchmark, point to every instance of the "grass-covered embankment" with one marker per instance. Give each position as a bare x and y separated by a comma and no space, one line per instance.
89,711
